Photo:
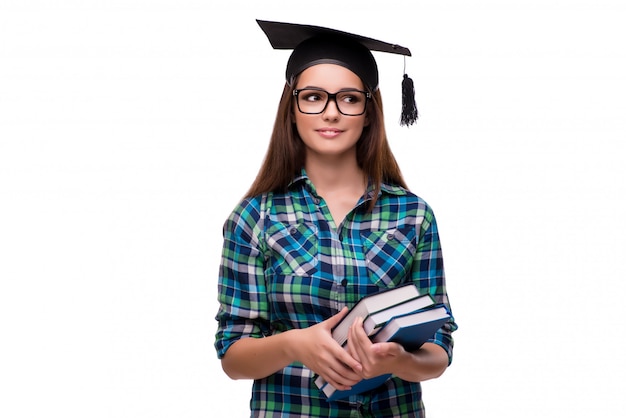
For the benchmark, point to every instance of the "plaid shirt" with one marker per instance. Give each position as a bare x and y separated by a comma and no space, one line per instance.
285,265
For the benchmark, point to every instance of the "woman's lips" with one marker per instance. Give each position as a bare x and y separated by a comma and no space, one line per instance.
329,132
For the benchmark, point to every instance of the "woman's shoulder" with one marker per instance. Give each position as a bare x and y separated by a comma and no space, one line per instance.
246,218
249,206
405,196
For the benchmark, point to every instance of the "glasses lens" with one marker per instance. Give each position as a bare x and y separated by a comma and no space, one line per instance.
312,101
349,102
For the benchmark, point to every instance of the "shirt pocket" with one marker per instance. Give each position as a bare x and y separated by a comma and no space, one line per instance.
389,254
293,248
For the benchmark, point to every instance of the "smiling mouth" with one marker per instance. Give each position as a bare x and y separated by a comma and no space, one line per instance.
329,132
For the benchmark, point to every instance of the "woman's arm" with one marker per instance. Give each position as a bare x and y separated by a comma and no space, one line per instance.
256,358
429,362
432,359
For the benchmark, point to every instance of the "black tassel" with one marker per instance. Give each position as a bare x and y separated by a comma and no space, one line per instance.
409,108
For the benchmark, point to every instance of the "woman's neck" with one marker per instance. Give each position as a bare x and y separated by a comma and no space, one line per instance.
335,175
341,185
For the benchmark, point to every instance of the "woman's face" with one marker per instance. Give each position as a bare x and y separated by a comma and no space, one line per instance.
329,133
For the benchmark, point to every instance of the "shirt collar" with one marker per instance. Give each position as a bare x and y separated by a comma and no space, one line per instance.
384,187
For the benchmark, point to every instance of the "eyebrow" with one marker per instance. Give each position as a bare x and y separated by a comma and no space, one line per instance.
338,91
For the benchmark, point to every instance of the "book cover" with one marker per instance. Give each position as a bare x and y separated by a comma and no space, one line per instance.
414,329
362,386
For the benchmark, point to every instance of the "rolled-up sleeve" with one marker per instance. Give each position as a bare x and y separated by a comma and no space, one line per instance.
428,274
242,291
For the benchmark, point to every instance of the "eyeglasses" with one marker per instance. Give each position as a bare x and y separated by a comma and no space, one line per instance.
313,101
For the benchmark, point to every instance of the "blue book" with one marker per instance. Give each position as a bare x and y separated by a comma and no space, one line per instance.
362,386
410,330
414,329
376,320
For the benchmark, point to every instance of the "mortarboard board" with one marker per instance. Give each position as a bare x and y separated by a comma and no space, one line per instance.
314,45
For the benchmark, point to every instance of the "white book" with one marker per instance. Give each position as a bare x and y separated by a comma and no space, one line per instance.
371,304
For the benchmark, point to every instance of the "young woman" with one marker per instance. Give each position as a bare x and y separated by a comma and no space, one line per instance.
327,221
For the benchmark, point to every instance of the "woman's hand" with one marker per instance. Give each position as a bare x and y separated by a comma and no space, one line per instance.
317,350
375,358
429,362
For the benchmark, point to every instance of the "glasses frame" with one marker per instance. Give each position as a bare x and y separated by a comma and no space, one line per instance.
333,97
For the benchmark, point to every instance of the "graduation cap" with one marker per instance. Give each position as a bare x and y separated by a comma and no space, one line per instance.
314,45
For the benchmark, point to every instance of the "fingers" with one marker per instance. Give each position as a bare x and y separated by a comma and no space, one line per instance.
349,361
358,341
342,377
322,354
335,319
372,357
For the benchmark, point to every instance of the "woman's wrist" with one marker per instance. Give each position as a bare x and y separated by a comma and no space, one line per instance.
428,362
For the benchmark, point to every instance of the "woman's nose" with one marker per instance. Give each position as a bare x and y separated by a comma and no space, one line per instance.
332,111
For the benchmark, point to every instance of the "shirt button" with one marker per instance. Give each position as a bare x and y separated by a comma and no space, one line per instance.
293,231
344,282
390,237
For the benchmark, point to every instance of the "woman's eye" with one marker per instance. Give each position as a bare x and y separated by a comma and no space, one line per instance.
313,97
350,99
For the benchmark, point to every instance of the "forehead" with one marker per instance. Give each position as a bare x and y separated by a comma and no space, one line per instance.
329,77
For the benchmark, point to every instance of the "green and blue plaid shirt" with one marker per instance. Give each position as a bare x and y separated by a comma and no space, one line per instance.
285,265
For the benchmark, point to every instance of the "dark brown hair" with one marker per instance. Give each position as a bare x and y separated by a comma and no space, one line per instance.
285,155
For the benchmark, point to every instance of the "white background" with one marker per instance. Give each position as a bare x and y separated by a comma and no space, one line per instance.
129,130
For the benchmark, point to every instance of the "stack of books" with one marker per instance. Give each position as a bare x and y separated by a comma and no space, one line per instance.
398,315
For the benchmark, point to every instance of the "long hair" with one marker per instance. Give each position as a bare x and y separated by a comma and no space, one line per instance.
286,151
